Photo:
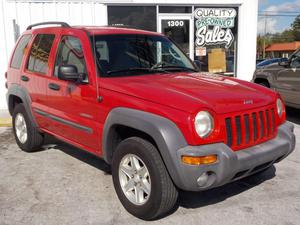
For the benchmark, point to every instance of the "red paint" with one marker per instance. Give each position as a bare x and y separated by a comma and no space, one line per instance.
177,97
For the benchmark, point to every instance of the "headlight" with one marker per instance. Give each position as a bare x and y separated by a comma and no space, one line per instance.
204,124
280,107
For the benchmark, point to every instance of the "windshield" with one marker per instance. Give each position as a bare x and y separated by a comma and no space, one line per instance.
125,55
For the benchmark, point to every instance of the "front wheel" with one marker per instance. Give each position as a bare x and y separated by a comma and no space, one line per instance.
265,84
141,180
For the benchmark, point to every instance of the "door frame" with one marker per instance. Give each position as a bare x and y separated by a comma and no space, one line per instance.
180,17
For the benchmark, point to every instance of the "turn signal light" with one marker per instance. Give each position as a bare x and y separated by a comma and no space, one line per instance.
199,160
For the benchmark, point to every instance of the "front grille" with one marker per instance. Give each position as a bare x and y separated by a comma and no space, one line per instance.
250,128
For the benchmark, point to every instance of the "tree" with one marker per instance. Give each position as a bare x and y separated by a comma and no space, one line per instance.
295,27
288,35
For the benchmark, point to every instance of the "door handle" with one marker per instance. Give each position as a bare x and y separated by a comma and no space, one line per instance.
54,87
24,78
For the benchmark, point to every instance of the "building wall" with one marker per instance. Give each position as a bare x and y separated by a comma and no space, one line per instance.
94,12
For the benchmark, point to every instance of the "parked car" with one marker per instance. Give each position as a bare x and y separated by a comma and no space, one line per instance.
271,61
283,77
259,60
133,98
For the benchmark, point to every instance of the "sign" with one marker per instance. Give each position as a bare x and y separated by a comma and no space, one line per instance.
175,23
213,26
201,51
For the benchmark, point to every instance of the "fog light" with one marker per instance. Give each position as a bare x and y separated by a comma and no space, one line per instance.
202,180
198,160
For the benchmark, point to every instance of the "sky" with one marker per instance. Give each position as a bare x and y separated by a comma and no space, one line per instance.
277,23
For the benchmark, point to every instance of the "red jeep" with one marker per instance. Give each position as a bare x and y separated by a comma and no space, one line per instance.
135,99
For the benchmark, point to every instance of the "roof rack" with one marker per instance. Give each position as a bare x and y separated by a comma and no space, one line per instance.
62,24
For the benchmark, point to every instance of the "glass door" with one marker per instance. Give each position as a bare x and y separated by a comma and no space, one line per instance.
180,29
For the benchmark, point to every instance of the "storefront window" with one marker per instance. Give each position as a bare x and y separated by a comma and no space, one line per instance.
141,17
215,39
175,9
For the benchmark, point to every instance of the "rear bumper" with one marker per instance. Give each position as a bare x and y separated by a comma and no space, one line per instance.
232,165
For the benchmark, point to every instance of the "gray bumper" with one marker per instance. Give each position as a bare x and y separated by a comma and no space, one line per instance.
232,165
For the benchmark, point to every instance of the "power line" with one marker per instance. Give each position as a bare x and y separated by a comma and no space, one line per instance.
283,15
266,11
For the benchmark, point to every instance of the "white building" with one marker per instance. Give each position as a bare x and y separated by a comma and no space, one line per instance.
221,34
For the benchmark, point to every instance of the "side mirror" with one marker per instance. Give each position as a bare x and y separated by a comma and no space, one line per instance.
68,73
284,63
198,64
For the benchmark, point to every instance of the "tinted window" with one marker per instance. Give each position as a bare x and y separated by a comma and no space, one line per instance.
137,54
142,17
70,53
39,53
19,52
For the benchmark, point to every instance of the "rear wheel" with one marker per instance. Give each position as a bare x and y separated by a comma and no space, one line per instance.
141,180
27,136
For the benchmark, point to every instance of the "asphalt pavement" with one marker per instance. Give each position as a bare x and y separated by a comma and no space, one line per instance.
64,185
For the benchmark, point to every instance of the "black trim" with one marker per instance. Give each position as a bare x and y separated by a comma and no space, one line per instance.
54,87
24,78
65,122
62,24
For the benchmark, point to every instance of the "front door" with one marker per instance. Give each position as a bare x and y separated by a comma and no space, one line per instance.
288,81
180,29
72,106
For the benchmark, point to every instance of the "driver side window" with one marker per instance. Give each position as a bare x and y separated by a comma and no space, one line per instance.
295,62
70,53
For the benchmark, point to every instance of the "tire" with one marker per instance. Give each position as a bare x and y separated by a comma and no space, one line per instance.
34,139
163,194
264,83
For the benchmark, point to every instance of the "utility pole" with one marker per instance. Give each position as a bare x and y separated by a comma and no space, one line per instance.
265,33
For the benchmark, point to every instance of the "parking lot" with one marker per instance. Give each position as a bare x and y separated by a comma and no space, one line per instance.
63,185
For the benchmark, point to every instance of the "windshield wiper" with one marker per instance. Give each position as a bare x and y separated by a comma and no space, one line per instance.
176,68
166,66
134,69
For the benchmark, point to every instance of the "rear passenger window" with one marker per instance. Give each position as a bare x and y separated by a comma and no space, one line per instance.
39,53
19,51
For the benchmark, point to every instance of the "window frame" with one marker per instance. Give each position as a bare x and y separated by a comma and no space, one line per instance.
29,51
57,51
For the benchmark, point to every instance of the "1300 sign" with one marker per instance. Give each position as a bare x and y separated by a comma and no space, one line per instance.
176,23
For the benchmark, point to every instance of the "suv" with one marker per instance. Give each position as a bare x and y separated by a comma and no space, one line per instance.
133,98
283,77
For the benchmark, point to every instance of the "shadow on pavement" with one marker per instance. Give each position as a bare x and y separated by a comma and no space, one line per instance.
84,156
186,199
214,196
293,115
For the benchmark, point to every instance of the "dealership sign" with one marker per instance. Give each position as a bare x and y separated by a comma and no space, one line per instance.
213,26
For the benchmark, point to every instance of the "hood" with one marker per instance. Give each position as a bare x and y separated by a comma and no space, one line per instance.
191,92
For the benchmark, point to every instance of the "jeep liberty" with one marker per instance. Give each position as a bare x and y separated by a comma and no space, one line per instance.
133,98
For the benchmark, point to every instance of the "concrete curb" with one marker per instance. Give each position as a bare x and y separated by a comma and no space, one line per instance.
5,122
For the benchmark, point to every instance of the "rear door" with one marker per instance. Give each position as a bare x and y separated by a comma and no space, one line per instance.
14,71
35,72
73,106
288,81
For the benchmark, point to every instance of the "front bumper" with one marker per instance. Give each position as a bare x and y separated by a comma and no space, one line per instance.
233,165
